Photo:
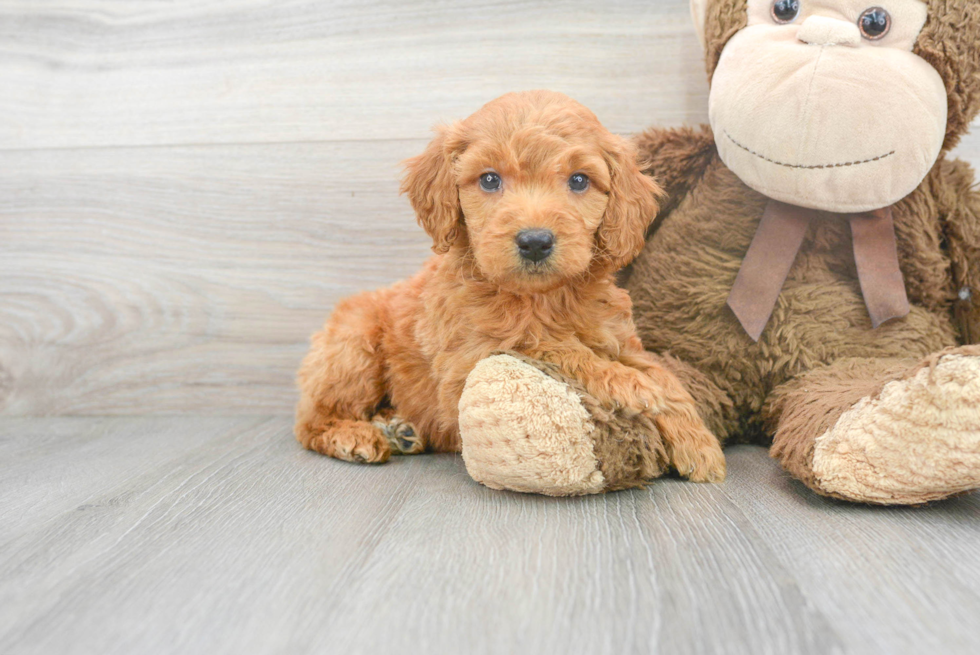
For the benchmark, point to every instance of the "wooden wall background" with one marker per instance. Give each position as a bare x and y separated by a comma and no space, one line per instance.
187,186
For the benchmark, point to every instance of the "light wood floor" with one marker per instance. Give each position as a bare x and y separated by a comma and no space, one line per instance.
186,189
220,535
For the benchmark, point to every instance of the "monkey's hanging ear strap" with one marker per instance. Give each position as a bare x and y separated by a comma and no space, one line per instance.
773,251
876,256
767,263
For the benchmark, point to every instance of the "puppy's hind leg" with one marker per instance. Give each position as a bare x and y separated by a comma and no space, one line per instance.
402,436
341,385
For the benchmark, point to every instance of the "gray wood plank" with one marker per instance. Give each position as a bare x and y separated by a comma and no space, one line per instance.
890,580
109,72
238,540
249,543
674,569
55,466
187,279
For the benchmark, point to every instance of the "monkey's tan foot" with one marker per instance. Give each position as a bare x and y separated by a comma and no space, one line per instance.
352,441
916,439
401,435
525,427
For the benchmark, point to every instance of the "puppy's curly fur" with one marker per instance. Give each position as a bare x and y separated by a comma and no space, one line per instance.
410,347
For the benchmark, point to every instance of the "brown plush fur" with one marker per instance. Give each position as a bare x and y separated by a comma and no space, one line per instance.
723,20
949,43
679,295
414,344
819,338
959,202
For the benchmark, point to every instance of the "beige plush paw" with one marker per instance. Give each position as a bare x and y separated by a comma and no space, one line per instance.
525,431
918,440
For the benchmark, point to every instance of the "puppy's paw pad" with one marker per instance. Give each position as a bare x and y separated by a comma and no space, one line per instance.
401,436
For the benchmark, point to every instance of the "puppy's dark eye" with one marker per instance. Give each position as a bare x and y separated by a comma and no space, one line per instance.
785,11
490,182
875,23
578,182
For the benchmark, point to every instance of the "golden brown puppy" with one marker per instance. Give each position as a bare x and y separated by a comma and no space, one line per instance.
532,206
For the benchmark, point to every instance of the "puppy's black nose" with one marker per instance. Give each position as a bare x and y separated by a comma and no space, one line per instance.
535,245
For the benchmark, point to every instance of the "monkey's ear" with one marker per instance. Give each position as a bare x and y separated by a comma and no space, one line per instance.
632,205
699,13
430,182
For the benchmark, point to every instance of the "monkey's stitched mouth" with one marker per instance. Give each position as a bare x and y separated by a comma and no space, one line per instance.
803,166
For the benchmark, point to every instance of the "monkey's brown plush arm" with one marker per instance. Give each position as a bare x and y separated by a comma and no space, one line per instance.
676,158
961,224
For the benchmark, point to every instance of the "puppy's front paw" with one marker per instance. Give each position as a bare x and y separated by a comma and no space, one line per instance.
691,449
699,463
634,392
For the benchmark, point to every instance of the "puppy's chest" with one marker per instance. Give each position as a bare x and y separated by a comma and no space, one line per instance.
530,326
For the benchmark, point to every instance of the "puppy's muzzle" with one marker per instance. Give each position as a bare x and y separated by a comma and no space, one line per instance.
535,245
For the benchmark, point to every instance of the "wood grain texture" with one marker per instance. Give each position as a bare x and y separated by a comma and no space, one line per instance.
890,580
233,539
110,72
969,148
186,188
187,279
139,275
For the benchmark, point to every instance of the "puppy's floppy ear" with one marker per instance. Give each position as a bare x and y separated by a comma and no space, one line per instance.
430,182
632,205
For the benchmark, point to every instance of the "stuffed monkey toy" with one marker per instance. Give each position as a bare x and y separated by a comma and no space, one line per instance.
813,273
816,266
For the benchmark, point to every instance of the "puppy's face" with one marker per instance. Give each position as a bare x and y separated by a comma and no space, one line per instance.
533,196
535,190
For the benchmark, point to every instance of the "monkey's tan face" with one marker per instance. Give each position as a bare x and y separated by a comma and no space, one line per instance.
823,104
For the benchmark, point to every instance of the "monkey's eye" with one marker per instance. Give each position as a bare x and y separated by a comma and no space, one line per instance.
579,183
875,23
490,182
785,11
